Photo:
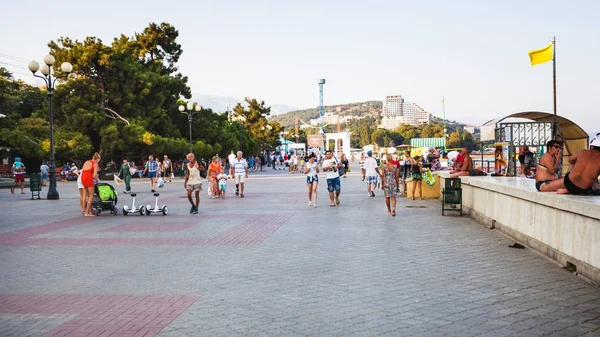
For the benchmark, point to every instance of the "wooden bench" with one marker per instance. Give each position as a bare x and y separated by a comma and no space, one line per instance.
4,171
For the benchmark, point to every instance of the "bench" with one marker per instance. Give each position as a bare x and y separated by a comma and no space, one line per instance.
4,171
566,228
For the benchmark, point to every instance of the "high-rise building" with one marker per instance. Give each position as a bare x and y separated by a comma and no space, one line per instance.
397,111
392,106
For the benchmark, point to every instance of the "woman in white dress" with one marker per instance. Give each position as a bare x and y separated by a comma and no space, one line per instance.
311,170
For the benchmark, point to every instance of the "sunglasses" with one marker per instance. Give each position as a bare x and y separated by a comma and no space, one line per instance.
557,146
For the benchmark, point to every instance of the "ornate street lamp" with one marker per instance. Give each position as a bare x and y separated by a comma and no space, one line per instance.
46,70
192,108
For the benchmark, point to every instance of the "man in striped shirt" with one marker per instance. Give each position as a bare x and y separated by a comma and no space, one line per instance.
239,171
150,167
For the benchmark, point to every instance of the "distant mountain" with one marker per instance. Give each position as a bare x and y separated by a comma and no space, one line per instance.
222,103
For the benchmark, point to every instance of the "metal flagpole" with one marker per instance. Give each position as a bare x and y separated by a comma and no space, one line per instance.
554,85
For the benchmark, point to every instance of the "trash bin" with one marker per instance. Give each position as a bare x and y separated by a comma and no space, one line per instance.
452,195
35,186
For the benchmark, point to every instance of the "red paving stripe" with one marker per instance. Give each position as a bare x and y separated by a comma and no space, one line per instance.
251,232
102,315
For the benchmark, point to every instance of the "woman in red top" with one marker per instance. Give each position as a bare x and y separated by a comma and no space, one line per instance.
89,173
213,170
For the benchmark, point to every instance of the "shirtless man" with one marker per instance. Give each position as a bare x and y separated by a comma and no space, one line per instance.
466,166
584,171
546,177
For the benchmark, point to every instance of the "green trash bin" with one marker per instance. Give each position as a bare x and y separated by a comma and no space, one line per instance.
35,186
452,195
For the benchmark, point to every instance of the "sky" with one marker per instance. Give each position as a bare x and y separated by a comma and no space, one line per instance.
473,53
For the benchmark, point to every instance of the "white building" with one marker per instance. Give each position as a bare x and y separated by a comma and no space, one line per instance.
397,111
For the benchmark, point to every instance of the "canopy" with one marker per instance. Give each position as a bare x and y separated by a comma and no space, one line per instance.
573,134
428,142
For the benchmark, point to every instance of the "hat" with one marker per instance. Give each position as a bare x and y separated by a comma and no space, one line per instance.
369,153
595,142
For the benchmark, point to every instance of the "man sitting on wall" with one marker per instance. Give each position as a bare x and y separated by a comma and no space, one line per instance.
583,172
546,176
466,166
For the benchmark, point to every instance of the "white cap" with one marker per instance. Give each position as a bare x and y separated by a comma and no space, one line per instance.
595,142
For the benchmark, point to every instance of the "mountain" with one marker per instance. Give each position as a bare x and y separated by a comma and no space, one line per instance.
368,108
222,103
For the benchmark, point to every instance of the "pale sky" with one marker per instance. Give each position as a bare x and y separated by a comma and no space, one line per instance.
472,52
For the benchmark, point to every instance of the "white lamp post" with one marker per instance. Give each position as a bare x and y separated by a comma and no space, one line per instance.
192,108
46,70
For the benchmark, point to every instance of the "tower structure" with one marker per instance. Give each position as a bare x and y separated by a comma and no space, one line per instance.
322,109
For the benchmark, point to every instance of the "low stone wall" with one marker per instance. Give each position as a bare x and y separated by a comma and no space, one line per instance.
564,227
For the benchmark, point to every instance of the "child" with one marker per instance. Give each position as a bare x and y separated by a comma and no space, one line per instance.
222,179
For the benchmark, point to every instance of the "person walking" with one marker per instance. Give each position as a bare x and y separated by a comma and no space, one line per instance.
89,174
125,174
44,172
18,170
346,166
151,167
370,173
331,166
192,182
213,171
311,169
417,175
167,168
239,171
389,181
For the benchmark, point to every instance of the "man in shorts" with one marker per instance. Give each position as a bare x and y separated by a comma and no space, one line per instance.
151,167
167,167
370,172
192,182
331,166
583,172
239,171
18,169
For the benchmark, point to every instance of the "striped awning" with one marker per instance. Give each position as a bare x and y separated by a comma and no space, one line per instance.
428,142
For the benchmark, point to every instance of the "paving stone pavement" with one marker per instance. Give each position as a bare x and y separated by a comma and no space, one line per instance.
268,265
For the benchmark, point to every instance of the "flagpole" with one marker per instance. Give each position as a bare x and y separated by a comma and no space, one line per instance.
444,109
554,85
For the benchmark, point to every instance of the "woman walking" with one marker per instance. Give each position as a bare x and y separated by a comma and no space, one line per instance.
389,177
89,173
346,164
125,174
213,171
311,170
417,175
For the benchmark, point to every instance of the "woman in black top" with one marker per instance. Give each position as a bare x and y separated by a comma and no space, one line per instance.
346,164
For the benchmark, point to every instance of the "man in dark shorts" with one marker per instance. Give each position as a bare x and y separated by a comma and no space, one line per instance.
546,176
583,172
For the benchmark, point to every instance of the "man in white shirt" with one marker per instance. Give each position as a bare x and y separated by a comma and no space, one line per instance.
230,158
370,173
331,166
239,171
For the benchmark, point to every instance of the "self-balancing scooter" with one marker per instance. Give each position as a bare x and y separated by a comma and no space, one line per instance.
155,210
133,209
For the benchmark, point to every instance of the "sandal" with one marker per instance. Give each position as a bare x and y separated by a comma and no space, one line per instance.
332,205
394,213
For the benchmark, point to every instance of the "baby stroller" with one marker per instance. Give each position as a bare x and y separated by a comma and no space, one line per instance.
105,199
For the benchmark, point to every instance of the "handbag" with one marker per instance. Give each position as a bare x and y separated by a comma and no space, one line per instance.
132,170
118,180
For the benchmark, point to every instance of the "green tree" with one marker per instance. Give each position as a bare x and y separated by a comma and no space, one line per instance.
408,132
365,135
380,137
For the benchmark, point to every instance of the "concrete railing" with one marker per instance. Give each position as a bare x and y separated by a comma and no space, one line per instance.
564,227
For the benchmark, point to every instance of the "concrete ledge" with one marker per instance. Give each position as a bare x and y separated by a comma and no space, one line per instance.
582,268
565,228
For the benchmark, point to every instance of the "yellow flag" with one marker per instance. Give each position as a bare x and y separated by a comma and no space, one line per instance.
442,101
543,55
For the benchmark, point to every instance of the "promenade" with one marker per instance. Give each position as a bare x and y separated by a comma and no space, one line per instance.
268,265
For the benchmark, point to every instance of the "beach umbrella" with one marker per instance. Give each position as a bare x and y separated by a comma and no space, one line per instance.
452,155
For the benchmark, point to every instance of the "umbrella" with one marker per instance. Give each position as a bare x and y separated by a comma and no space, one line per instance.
452,155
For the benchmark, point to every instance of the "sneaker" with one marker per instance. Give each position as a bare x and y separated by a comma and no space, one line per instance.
192,209
152,191
195,210
310,203
372,193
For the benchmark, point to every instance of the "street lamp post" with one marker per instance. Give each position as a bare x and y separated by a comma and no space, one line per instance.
46,70
192,108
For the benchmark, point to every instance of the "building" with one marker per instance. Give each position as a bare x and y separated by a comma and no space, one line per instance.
392,106
470,129
397,111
